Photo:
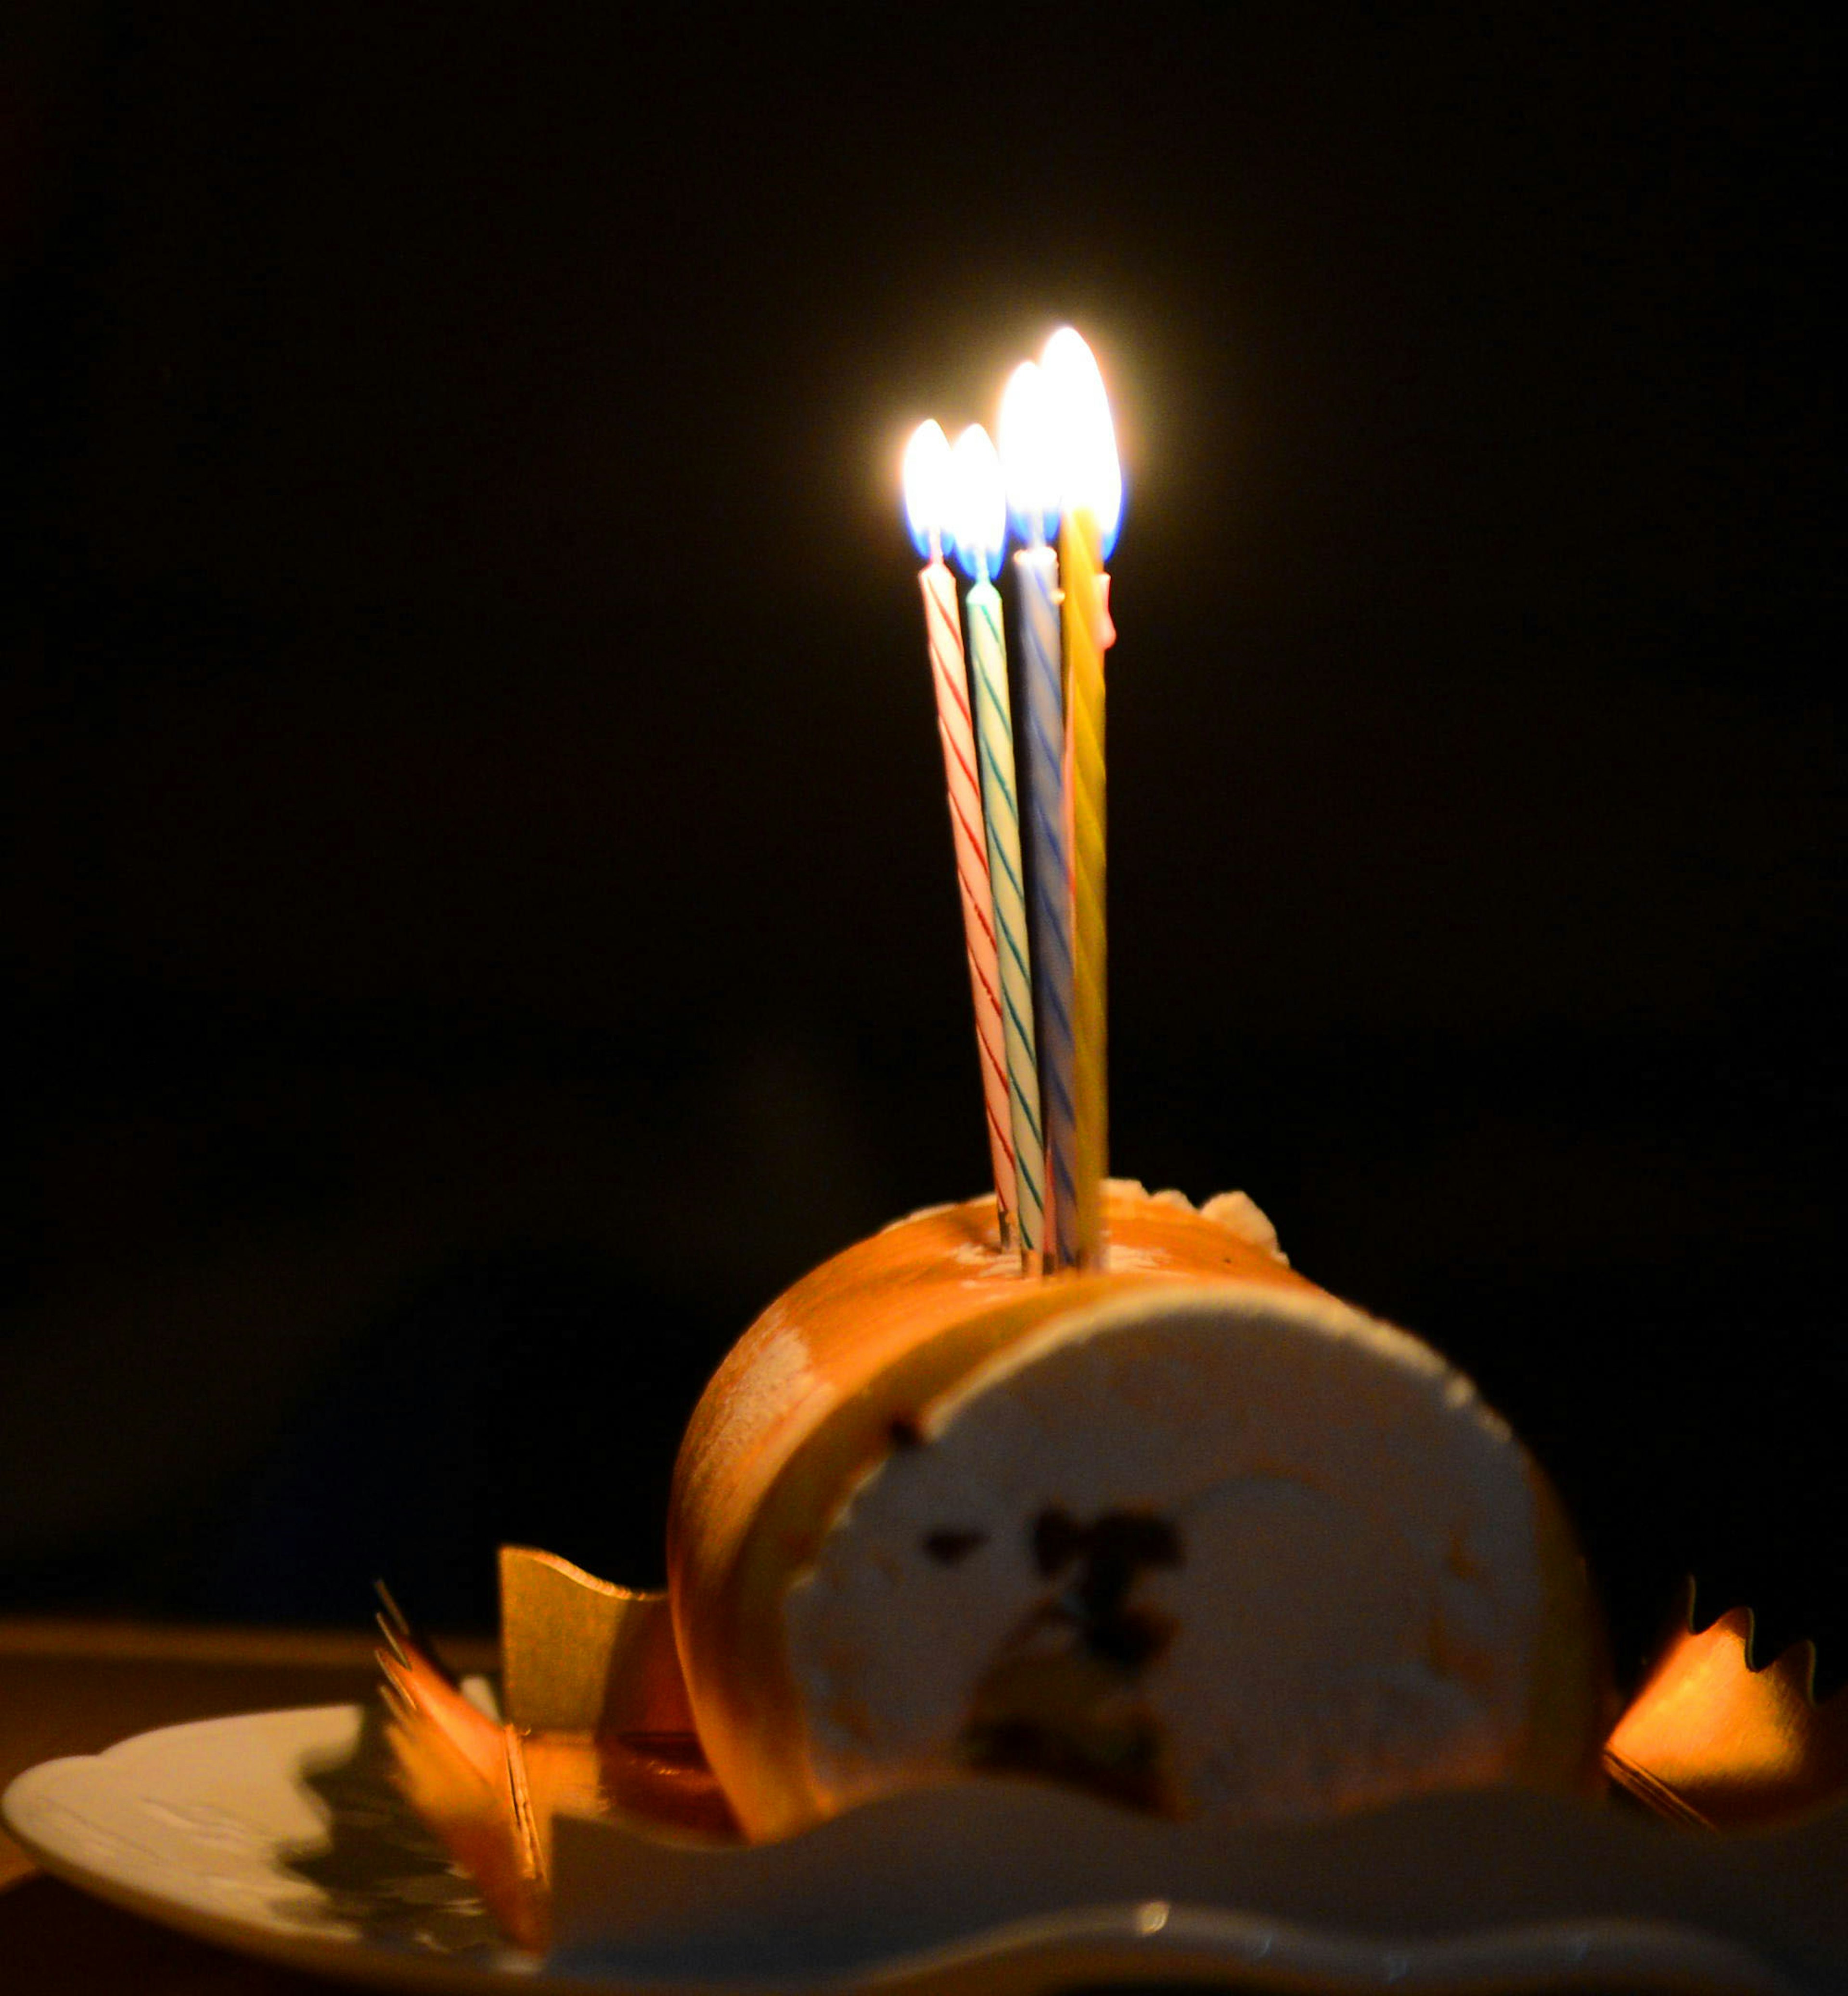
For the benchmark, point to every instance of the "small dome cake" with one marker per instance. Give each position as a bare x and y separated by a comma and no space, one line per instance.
1192,1535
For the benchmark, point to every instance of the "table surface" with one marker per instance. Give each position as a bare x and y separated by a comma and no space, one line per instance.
78,1686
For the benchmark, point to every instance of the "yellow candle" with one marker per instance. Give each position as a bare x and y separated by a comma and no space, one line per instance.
1081,574
1093,497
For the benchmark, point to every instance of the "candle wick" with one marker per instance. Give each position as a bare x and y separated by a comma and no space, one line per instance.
936,547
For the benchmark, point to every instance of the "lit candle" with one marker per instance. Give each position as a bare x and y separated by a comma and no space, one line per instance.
1092,494
1029,460
927,495
978,528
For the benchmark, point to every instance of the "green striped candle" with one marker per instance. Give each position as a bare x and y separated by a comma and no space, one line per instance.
979,529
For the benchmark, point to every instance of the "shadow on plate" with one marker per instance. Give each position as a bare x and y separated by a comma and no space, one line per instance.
379,1871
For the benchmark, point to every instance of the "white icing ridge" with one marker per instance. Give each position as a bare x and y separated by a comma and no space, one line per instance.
1127,1261
1240,1213
1237,1212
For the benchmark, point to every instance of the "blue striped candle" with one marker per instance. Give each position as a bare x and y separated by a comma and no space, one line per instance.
1036,570
1031,468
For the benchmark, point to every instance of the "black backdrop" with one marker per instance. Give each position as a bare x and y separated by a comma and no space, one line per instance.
482,919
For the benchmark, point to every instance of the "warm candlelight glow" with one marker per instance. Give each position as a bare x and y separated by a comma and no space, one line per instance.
1090,477
978,504
928,485
1029,455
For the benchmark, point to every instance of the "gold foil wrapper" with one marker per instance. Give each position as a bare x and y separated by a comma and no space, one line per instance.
1712,1741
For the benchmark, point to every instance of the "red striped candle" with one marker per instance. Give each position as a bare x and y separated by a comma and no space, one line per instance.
927,466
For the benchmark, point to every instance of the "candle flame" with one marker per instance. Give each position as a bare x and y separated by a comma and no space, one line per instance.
1030,453
1091,476
927,485
978,504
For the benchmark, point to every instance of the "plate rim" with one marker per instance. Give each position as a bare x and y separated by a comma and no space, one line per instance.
1222,1961
349,1960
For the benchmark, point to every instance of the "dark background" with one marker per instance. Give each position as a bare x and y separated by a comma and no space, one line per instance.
480,917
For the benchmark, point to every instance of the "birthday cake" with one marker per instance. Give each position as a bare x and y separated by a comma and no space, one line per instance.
1074,1486
1076,1482
1192,1535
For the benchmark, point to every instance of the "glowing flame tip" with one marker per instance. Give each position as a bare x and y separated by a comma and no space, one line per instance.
978,503
927,483
1029,452
1091,474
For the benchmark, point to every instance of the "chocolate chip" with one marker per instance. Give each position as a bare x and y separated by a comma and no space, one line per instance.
1130,1638
1112,1552
904,1433
951,1548
1058,1538
1116,1549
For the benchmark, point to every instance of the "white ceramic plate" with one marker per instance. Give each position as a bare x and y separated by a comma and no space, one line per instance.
278,1834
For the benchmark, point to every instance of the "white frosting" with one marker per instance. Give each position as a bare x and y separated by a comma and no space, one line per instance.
1356,1608
1235,1211
1242,1214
